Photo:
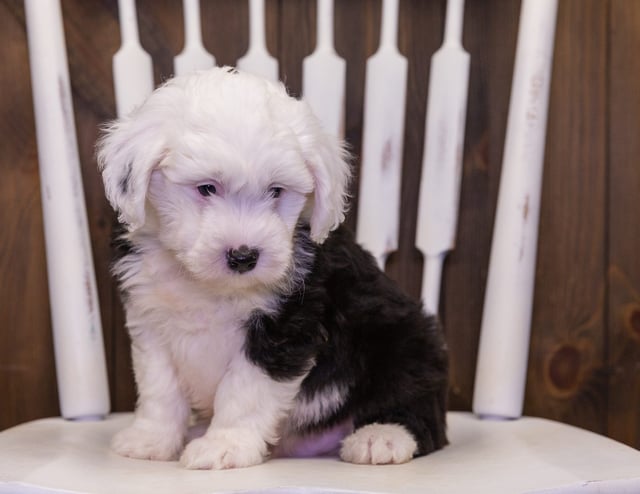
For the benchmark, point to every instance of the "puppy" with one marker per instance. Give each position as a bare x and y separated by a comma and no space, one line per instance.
247,303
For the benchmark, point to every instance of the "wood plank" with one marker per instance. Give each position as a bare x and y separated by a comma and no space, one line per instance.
161,28
624,223
225,29
296,37
489,36
566,377
357,34
419,36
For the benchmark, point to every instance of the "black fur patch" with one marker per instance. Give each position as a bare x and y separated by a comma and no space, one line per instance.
352,327
120,245
125,180
122,250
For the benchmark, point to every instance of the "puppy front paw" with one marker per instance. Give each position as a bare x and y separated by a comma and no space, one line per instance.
225,448
147,443
377,444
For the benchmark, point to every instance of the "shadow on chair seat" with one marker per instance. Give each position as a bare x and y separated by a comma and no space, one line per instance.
526,455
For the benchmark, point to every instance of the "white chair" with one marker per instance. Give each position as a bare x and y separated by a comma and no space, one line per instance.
72,456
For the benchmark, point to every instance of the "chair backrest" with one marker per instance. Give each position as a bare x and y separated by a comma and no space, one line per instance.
504,342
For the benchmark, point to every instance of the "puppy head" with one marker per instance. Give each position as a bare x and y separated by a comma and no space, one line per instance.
219,167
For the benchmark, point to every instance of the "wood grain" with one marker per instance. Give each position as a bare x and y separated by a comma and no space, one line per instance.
357,27
623,421
225,29
566,378
295,39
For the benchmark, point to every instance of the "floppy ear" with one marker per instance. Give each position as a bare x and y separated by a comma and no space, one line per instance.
128,151
327,160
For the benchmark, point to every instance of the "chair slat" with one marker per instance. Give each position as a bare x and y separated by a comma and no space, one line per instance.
506,320
443,149
194,56
382,142
75,310
324,75
257,60
132,67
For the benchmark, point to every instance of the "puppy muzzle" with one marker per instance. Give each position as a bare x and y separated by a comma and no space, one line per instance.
242,259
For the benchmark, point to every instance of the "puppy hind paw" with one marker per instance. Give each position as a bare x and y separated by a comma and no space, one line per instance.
378,444
224,449
147,443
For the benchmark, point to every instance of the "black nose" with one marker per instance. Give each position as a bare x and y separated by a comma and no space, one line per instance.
242,259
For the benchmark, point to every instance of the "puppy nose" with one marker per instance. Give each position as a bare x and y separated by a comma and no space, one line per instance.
242,259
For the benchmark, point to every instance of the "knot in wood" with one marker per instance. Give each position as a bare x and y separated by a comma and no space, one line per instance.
563,370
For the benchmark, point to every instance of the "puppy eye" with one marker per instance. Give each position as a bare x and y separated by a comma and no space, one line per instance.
275,192
207,190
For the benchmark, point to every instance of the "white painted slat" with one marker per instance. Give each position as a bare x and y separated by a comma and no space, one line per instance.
506,320
383,134
257,60
194,55
324,74
132,67
443,149
77,329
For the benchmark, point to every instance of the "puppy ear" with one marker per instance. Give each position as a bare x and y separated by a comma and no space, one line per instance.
128,151
327,159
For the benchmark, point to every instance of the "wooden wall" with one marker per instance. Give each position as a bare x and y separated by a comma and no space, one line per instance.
585,354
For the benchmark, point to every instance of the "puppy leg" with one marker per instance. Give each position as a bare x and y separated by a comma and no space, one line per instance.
161,416
248,409
379,444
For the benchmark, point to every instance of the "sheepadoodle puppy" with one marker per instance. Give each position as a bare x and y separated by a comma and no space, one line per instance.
248,305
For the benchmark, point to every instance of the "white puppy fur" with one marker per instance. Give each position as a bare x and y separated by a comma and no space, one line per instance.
209,163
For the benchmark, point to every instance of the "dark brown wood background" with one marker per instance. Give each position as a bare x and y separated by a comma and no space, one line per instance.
585,353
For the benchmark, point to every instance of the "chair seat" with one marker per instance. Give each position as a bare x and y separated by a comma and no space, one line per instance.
526,455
